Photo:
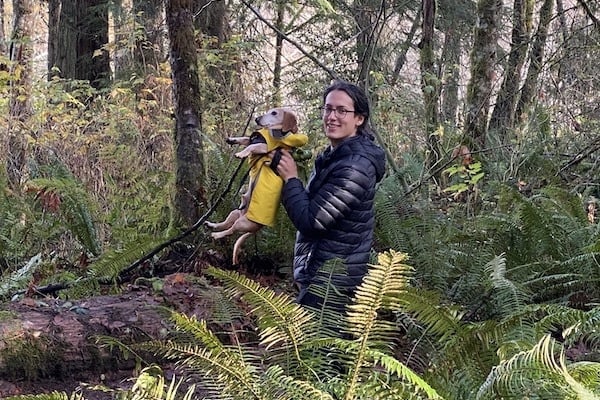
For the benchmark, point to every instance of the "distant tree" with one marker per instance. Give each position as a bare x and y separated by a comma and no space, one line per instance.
536,60
189,176
2,37
368,17
211,19
503,116
483,62
430,82
149,49
76,39
20,108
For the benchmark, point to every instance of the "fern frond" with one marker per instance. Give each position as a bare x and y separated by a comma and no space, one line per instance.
112,262
541,371
19,278
380,289
507,295
393,366
74,208
281,321
289,388
223,369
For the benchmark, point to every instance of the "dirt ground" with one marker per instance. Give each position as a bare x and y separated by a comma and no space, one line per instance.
82,383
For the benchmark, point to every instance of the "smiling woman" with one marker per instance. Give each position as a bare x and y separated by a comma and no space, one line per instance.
334,213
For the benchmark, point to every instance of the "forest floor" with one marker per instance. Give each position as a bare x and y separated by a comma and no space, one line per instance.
181,280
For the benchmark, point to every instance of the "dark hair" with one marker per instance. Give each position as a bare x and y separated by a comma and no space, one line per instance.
360,100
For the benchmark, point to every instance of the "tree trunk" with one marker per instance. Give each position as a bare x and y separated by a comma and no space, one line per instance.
483,60
2,36
149,49
430,83
20,109
503,116
366,15
211,19
536,59
278,67
79,30
408,43
449,91
186,91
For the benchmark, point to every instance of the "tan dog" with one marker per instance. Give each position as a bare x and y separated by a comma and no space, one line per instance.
278,130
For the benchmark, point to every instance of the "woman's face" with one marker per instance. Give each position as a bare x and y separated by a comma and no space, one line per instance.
338,126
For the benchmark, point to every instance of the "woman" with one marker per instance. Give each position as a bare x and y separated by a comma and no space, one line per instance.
334,214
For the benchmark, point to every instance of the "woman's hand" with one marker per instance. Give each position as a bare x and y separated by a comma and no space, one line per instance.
287,167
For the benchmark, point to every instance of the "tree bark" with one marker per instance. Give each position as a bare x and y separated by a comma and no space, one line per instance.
186,91
536,59
20,108
75,43
503,116
449,91
2,36
149,49
211,18
483,60
367,14
430,83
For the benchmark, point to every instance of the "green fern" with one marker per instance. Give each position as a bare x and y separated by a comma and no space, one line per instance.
74,208
540,373
292,359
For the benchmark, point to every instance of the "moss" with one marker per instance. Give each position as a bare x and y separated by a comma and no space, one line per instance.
6,315
30,358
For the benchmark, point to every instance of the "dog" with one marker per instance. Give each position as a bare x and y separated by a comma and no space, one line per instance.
277,131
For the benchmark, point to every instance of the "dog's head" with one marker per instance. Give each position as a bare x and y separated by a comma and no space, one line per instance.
279,119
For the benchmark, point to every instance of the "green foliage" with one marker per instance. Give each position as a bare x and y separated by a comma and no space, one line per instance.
66,199
292,358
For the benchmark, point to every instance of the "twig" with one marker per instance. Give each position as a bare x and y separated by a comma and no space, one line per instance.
331,73
589,149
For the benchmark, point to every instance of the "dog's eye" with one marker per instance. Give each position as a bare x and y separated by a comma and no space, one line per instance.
273,112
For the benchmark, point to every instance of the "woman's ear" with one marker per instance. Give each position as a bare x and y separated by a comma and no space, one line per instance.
290,122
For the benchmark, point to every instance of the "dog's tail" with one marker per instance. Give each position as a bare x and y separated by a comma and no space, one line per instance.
237,247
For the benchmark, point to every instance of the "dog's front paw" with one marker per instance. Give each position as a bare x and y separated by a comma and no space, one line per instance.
209,225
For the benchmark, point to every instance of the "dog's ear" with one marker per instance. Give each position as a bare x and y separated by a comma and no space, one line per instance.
290,122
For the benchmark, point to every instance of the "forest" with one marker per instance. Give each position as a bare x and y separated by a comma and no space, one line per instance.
485,274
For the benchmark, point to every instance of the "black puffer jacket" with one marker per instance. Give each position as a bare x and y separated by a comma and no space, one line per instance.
334,215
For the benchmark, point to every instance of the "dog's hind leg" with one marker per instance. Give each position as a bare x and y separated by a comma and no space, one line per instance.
237,247
227,223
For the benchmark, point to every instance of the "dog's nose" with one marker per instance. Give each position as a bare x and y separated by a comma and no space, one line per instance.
257,120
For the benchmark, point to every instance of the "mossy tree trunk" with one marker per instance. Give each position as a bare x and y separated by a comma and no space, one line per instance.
503,116
430,83
2,37
278,67
189,164
20,108
483,61
451,67
536,60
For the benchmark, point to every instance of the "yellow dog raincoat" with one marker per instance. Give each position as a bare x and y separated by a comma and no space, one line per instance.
265,184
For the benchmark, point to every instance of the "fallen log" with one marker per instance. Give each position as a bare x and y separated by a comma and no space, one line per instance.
49,337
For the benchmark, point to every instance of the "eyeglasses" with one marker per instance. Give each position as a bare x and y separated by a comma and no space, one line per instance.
340,112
